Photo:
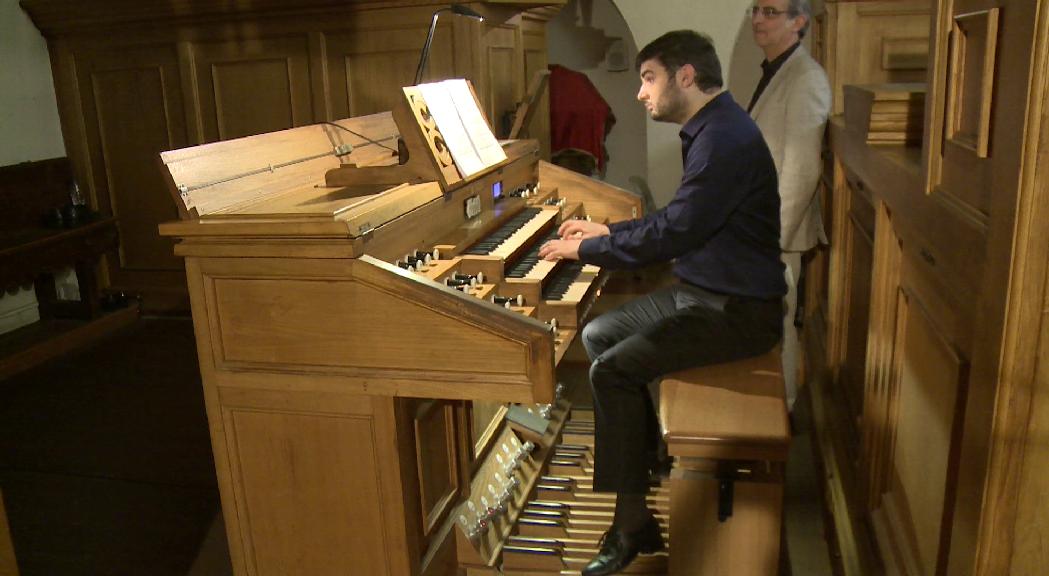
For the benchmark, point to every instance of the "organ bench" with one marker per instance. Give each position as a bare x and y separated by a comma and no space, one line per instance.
727,427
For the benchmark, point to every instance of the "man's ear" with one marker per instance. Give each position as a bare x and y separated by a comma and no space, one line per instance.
799,22
686,75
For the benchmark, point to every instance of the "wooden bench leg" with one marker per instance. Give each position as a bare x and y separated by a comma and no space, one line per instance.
746,543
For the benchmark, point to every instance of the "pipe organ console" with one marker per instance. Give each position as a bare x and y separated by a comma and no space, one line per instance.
378,344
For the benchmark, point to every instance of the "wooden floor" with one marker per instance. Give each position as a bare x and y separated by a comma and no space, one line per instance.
106,469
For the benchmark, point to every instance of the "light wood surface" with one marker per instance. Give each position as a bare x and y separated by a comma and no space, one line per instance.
729,410
746,544
603,202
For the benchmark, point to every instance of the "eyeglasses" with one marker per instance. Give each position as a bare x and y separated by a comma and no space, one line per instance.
767,11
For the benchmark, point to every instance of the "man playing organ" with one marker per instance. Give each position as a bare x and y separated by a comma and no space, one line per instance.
721,230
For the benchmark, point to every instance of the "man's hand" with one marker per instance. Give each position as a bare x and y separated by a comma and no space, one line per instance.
558,249
581,229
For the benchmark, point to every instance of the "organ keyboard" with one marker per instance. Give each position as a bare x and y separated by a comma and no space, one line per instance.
379,344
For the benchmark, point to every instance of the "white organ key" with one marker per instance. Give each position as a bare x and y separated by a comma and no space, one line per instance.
506,249
540,270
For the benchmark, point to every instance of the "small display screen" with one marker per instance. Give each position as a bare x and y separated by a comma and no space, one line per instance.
497,189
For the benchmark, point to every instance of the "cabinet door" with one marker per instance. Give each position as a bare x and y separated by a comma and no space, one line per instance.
301,472
434,427
859,248
849,301
132,107
917,507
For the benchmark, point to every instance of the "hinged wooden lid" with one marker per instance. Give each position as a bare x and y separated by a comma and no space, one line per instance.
249,176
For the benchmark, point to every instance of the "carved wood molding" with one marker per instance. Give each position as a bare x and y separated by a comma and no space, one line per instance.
59,17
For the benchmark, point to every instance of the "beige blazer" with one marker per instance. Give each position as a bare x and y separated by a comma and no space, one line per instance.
792,114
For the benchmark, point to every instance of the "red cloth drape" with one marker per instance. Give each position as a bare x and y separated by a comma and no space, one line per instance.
579,117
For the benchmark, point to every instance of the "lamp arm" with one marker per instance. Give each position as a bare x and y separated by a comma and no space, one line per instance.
426,47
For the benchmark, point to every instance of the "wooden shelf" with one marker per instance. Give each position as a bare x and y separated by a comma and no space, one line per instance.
47,339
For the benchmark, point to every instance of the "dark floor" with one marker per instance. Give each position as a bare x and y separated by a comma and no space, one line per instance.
106,467
105,460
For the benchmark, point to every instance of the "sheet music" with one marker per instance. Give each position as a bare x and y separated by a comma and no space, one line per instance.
484,142
465,131
442,108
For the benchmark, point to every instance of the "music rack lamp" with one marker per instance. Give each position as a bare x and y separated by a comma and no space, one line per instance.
455,9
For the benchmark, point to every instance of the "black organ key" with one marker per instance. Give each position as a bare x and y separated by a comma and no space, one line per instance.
493,240
561,281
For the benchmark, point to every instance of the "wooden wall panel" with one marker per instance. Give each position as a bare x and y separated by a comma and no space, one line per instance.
248,88
535,60
132,109
367,66
502,70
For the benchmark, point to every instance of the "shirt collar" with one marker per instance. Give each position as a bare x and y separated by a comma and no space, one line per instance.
695,124
771,68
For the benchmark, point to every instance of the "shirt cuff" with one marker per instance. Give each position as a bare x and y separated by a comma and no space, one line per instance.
591,249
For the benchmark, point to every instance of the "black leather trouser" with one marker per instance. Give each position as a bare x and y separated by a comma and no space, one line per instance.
674,328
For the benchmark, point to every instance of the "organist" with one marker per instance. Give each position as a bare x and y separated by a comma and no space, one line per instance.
721,229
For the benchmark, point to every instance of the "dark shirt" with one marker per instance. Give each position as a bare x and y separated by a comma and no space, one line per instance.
722,226
768,70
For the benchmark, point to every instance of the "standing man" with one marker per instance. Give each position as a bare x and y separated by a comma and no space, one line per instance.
721,230
790,106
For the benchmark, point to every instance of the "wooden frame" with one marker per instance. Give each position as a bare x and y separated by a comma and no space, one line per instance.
441,502
961,94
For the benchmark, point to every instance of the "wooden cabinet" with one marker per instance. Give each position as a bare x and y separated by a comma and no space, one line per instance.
931,259
135,80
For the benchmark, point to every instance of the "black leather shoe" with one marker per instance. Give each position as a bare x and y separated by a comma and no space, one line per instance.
659,471
618,549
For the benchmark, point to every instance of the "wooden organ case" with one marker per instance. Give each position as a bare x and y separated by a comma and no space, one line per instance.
378,345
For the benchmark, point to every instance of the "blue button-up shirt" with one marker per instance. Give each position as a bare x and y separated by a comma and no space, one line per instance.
722,226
